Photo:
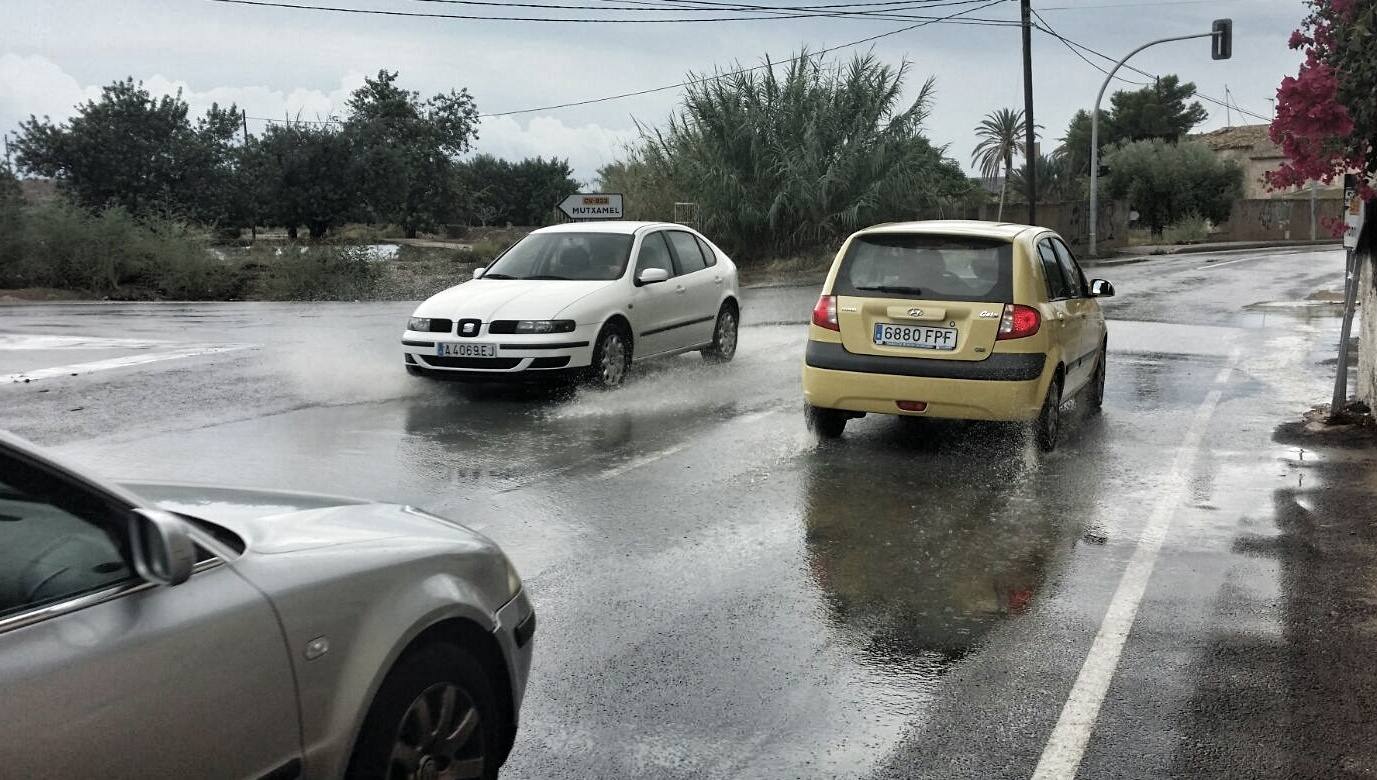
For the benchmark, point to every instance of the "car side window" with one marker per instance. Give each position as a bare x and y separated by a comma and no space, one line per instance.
654,254
1075,279
686,251
1057,289
55,541
708,254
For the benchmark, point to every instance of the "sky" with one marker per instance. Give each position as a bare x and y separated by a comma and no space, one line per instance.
280,62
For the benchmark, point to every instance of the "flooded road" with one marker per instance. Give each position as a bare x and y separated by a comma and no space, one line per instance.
721,595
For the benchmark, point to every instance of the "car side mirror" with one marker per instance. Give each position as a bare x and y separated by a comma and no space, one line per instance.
478,272
652,276
1099,288
163,551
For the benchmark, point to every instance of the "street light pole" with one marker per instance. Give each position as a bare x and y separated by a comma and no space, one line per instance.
1095,131
1029,153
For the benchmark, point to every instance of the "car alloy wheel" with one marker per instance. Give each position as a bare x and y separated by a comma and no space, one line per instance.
723,337
439,737
611,366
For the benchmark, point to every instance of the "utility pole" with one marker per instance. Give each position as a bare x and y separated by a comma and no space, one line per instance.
1228,114
253,218
1030,146
1222,48
244,114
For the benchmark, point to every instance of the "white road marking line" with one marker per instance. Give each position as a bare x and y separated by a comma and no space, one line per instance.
1066,745
1229,262
44,341
120,362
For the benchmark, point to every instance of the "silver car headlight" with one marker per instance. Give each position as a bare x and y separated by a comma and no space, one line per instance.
421,324
544,326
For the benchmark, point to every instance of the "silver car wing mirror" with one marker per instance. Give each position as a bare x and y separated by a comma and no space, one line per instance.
163,550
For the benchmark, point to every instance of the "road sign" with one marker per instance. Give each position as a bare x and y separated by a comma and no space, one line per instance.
593,205
1355,211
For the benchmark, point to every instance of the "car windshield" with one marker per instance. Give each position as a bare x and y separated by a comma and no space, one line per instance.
945,268
583,256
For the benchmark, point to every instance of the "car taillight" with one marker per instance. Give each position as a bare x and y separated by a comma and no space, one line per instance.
1018,322
825,313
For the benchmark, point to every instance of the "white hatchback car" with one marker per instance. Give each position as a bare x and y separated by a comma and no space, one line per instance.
580,300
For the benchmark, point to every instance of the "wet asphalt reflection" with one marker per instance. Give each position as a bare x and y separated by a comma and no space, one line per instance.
721,595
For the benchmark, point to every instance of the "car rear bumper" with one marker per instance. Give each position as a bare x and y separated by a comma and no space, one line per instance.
1005,389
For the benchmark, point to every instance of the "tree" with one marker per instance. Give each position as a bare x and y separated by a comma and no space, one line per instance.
133,150
304,176
1167,181
1001,135
1326,119
521,193
405,150
1158,110
1054,180
783,162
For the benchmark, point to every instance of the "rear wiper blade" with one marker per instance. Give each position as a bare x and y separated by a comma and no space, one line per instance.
894,288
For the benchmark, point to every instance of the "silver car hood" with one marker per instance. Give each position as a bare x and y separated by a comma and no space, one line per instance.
272,522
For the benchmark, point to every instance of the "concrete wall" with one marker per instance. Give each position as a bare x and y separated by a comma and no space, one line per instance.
1277,219
1070,219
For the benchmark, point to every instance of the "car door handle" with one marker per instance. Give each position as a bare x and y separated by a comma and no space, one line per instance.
680,290
717,280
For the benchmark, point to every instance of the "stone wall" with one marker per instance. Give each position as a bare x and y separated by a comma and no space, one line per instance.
1069,218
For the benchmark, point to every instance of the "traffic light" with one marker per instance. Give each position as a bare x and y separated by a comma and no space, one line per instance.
1222,39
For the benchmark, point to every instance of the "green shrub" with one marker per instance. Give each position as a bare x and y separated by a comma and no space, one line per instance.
318,273
1190,229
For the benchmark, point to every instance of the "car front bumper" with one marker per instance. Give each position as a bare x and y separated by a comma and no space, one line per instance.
515,634
968,398
518,356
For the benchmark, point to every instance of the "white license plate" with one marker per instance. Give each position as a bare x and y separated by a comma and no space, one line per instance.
447,349
914,336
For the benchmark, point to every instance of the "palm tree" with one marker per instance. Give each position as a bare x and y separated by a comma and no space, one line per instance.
1001,137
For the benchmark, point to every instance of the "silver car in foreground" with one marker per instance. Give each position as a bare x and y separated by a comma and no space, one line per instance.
166,631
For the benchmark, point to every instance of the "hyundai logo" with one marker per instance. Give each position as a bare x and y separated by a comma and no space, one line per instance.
915,312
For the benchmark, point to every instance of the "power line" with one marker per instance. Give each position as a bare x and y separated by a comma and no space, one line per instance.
1125,5
737,72
1047,28
573,20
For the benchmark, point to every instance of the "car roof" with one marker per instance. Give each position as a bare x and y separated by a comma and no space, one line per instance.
604,226
1007,231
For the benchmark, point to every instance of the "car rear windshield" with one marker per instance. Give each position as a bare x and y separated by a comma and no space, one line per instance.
585,256
929,267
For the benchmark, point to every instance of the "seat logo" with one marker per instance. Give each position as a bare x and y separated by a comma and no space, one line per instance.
469,328
915,312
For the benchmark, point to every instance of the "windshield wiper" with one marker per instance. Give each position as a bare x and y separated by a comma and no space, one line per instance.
891,288
497,276
547,276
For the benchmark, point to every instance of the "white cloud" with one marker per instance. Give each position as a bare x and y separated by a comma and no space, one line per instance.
35,85
587,147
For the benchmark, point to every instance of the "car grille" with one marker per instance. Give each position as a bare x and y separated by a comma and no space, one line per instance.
498,363
550,362
441,326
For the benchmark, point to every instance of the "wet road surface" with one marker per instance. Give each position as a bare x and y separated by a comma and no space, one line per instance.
722,596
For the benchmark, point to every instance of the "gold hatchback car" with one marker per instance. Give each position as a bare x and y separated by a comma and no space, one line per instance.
955,319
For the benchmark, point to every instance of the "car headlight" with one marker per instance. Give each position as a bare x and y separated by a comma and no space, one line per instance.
544,326
513,579
418,324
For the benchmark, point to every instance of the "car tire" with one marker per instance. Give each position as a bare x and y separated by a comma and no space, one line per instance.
396,741
611,357
825,423
724,334
1095,398
1047,427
